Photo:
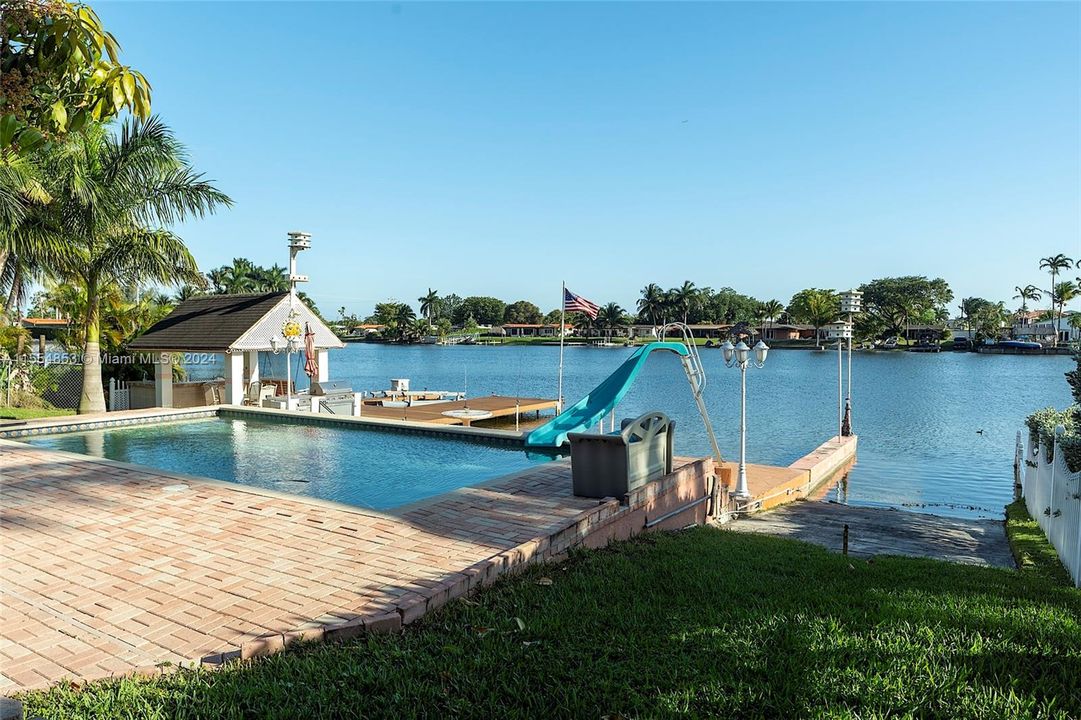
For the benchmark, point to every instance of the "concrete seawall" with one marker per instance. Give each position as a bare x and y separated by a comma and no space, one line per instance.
771,486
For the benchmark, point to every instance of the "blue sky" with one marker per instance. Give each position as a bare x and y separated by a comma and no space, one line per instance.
502,148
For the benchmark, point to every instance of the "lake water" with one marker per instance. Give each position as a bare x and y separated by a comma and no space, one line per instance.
917,415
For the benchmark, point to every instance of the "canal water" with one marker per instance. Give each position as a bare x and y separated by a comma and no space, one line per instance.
936,430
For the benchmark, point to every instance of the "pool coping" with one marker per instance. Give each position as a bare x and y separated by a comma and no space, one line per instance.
144,416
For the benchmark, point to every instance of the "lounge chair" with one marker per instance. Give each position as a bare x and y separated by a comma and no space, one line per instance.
613,465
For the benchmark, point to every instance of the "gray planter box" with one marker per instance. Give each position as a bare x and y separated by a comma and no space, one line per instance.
613,465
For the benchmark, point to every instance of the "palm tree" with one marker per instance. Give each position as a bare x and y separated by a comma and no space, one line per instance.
21,189
771,310
272,279
1054,265
815,307
404,318
611,317
238,277
428,305
187,290
112,196
651,304
686,298
1063,293
1026,294
25,247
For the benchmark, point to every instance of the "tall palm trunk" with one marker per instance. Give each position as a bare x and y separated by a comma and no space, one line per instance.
1058,321
93,395
13,298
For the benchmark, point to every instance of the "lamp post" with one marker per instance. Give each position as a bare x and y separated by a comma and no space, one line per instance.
740,355
851,304
289,343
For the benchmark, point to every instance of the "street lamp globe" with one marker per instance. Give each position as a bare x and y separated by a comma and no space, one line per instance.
729,350
742,352
760,351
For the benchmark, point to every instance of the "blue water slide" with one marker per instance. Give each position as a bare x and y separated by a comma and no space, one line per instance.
588,411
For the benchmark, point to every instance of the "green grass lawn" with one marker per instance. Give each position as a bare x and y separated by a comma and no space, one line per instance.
14,413
702,623
1029,545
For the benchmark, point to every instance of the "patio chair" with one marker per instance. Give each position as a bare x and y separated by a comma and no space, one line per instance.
257,392
613,465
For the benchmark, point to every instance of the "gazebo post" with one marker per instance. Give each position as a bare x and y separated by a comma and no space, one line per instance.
163,380
253,366
234,378
322,355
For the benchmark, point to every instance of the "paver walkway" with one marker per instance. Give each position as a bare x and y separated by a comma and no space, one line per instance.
881,531
109,568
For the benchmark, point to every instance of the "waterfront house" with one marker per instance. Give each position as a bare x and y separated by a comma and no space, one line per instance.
1031,327
535,329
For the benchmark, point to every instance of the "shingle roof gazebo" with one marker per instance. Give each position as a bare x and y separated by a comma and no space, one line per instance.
238,326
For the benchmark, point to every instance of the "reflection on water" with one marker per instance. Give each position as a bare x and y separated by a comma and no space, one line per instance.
917,414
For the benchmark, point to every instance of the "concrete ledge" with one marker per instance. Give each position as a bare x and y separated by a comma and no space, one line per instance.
123,418
772,486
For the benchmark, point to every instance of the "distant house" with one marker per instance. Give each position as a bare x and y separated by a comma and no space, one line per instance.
49,327
787,331
1045,330
699,330
365,329
535,329
922,332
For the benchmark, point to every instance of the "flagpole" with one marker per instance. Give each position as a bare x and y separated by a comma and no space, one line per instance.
562,332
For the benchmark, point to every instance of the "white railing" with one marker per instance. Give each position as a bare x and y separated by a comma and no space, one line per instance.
1053,496
119,395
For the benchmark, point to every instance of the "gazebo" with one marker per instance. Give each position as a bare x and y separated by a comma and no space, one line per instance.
236,326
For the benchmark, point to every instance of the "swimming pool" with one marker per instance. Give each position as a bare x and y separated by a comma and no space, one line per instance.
368,468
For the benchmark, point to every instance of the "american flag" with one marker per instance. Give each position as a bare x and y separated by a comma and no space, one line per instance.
577,303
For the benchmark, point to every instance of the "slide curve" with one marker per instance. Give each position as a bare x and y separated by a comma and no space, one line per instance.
588,411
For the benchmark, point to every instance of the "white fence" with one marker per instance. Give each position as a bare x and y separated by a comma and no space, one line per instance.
119,395
1053,496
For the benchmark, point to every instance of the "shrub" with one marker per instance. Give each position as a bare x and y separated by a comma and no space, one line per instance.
1073,377
1041,426
11,337
1070,447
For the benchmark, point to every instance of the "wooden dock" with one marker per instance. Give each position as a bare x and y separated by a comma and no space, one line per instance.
500,406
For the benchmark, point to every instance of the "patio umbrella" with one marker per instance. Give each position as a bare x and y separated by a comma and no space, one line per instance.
311,360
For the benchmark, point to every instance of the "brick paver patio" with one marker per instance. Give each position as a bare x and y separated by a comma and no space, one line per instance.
111,569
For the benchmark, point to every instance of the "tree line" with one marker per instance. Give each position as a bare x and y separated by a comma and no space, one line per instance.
890,307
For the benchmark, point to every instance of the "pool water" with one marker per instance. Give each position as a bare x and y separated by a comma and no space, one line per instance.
362,467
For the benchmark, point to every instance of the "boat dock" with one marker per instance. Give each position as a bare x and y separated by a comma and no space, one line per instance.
491,406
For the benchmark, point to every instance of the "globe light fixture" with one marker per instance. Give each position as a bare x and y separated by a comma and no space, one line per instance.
740,356
760,352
